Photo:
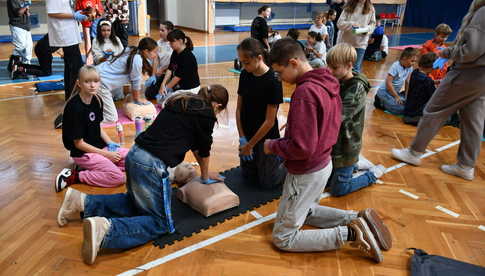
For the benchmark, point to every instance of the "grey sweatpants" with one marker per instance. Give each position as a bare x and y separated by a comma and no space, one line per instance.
300,205
464,91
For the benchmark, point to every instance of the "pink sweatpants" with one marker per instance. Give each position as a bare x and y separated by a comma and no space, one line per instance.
100,171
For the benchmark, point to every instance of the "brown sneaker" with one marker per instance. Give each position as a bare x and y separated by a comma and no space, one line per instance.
365,241
94,230
378,228
71,207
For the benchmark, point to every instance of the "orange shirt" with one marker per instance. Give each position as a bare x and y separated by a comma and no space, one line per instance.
432,46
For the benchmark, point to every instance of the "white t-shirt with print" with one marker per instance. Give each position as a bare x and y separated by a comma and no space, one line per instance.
322,30
62,32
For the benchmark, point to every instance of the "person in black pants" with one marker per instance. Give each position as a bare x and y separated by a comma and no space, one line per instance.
259,27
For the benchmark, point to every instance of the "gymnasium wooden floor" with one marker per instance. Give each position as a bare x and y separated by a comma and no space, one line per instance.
31,155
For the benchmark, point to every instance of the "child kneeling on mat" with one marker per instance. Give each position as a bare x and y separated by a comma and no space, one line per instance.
143,213
259,96
354,87
102,160
313,124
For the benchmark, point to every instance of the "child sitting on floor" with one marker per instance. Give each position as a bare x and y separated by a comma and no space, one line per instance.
106,45
421,88
354,87
389,96
295,34
316,49
378,46
436,45
314,119
319,25
102,160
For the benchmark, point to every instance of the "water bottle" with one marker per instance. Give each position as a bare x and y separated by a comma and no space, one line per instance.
121,135
139,125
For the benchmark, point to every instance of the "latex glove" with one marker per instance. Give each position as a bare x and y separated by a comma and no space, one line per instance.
159,97
141,102
78,16
107,54
242,142
440,63
150,81
113,146
212,180
25,4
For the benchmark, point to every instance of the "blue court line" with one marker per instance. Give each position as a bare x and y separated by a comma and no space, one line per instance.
216,54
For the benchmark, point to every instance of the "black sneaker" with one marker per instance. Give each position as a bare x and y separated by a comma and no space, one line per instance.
377,103
11,61
19,75
58,122
61,179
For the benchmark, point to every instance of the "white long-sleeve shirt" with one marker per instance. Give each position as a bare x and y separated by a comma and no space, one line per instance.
113,74
346,21
98,49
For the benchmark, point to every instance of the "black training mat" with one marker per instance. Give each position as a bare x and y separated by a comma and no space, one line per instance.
189,221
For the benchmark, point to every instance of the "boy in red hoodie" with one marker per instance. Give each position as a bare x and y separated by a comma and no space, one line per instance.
313,125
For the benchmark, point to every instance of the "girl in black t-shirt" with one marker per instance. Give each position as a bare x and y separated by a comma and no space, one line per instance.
144,212
182,73
259,95
91,148
259,26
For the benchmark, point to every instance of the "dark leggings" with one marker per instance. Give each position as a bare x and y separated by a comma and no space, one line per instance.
72,63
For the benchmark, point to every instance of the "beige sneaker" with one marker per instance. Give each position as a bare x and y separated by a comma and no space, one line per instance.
71,207
94,230
365,240
457,170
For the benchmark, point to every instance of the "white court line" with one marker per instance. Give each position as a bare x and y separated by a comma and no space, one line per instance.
449,212
29,97
481,227
256,214
202,244
411,195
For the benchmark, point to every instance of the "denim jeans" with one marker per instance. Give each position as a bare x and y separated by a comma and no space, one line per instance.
141,214
359,60
389,103
342,182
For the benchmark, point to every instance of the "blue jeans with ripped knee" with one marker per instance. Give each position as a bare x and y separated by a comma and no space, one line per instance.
141,214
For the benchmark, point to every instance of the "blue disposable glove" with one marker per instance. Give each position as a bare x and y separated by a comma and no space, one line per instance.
141,103
107,54
113,146
78,16
242,142
210,180
25,4
440,63
151,81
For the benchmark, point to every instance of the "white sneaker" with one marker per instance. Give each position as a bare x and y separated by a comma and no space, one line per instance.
378,171
71,207
364,163
407,155
457,170
94,230
61,182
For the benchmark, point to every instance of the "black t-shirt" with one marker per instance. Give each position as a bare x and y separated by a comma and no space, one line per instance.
257,93
82,121
259,29
184,66
175,131
421,88
20,21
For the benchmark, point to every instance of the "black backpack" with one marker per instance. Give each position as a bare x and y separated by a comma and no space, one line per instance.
423,264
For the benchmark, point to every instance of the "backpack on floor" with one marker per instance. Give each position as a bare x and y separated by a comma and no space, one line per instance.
49,85
423,264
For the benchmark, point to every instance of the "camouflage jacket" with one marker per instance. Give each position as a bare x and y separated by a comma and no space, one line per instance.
353,93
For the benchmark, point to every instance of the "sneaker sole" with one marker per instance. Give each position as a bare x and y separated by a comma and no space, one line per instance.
57,184
88,251
63,207
373,242
378,228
